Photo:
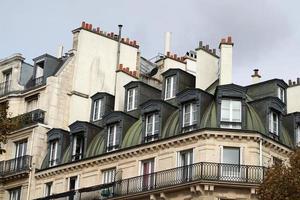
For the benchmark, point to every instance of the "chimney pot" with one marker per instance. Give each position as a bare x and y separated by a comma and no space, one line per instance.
290,82
294,82
98,30
298,81
83,24
214,51
223,40
175,56
200,44
121,66
207,47
127,69
229,40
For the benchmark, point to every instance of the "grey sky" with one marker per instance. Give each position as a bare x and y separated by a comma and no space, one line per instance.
266,33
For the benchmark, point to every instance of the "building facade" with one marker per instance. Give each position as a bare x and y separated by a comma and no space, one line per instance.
102,122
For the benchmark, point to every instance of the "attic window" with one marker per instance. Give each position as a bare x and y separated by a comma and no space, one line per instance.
112,137
273,123
189,116
298,135
78,142
152,127
170,87
131,99
53,153
281,94
39,69
231,114
97,109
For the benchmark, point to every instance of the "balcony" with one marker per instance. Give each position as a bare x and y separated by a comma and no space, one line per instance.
177,177
5,87
34,82
15,166
28,119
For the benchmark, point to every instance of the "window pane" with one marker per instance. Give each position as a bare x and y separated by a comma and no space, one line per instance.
225,110
231,155
108,175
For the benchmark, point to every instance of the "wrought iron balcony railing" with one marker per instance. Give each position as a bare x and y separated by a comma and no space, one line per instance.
30,118
36,82
16,165
5,87
199,172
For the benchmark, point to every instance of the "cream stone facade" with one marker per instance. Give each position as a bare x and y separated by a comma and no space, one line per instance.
97,124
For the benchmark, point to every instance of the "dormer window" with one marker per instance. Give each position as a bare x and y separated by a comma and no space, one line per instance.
97,112
152,127
112,137
273,123
281,94
53,153
231,114
189,112
131,99
170,87
298,135
39,69
78,142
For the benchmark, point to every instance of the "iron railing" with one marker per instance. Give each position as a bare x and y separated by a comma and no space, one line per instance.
36,82
16,165
203,171
5,87
30,118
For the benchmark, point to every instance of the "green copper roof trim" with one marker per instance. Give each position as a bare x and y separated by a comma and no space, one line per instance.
97,145
133,135
171,127
45,163
67,155
209,118
253,120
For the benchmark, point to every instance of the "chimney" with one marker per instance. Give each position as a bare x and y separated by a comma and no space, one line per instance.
60,51
167,42
226,61
256,77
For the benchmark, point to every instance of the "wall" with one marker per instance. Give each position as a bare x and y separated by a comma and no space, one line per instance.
293,96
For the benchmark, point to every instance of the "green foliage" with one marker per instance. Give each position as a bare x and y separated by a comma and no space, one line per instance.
282,182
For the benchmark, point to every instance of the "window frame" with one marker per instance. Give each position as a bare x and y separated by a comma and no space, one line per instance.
131,99
272,122
17,191
281,93
172,88
231,123
298,135
108,174
97,110
54,161
81,147
155,121
76,178
114,145
192,114
48,189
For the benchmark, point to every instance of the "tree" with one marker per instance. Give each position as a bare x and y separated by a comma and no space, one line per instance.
7,125
282,182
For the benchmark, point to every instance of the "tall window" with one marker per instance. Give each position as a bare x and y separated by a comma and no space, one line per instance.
231,114
112,137
273,122
21,148
281,94
15,194
189,116
147,168
185,160
78,142
231,156
73,185
31,104
170,87
39,69
7,80
53,153
131,99
108,175
152,127
97,112
48,189
298,135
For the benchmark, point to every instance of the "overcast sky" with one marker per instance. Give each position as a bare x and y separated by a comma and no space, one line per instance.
266,33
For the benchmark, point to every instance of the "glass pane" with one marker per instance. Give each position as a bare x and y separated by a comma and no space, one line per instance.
231,155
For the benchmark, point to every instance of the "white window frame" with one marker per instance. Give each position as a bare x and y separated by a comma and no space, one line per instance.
97,109
150,180
230,123
281,93
76,182
155,117
192,112
15,194
171,89
75,140
53,150
131,99
48,189
272,129
223,171
114,135
21,144
108,175
298,136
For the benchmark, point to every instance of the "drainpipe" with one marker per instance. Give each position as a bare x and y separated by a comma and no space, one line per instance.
118,55
260,153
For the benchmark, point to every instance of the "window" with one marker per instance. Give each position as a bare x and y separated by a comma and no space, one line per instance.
108,176
73,183
53,153
15,194
189,116
39,69
48,189
97,112
185,161
112,138
78,142
7,80
152,127
281,94
273,122
298,136
21,148
147,170
231,157
170,87
231,114
31,105
131,99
